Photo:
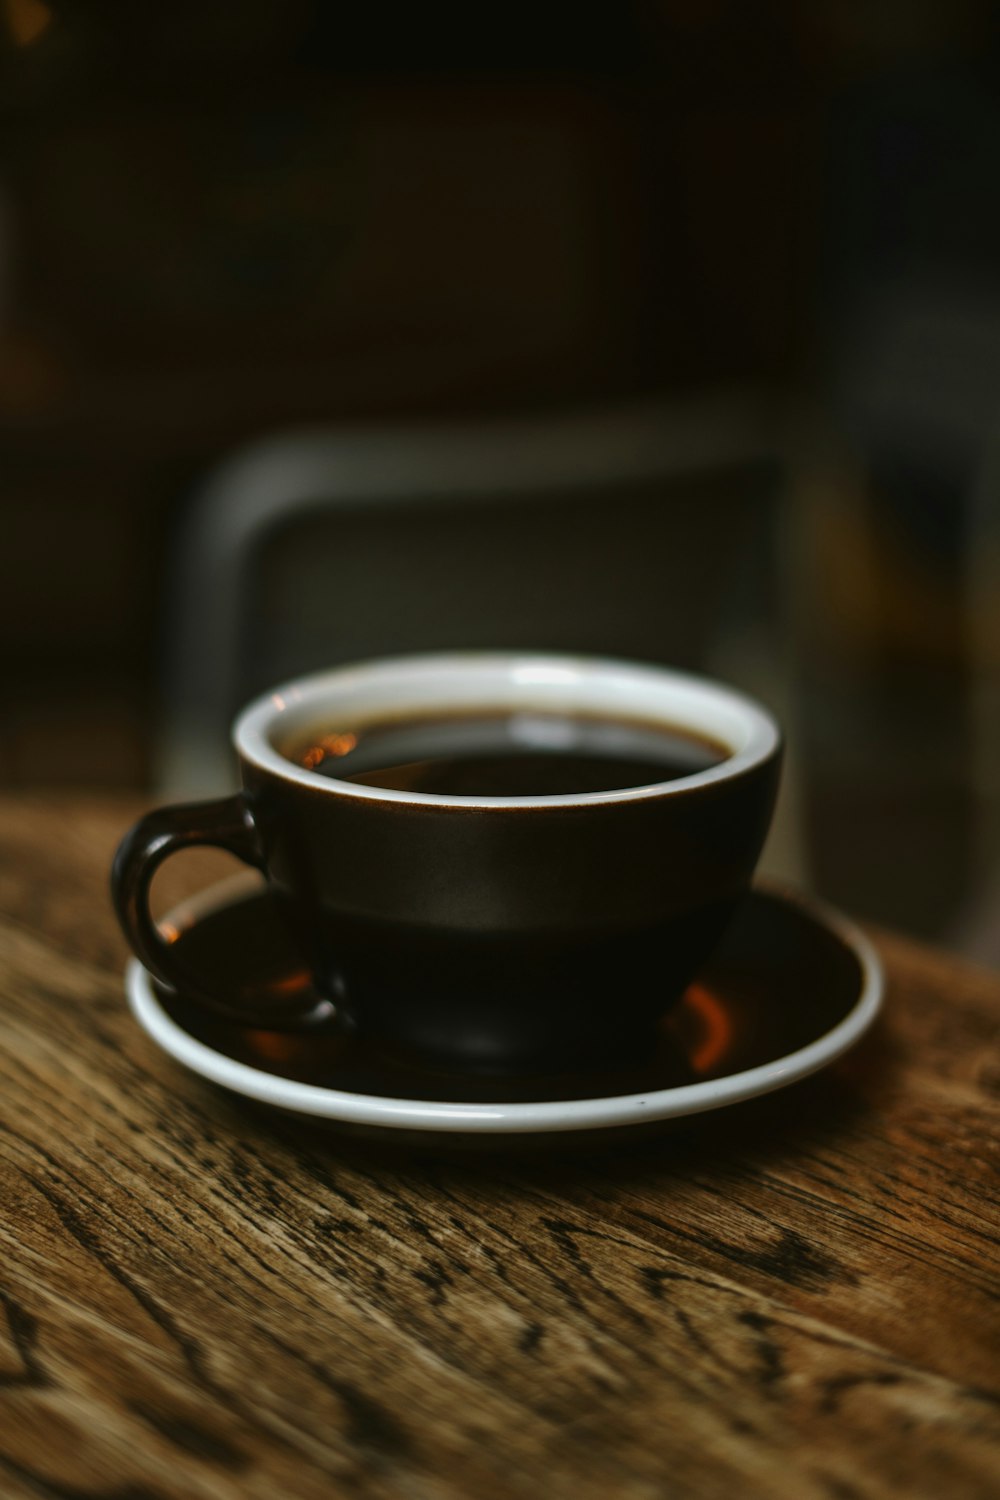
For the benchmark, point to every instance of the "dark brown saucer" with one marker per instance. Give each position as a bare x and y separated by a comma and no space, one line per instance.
792,986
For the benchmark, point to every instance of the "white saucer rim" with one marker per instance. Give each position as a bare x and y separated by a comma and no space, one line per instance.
542,1116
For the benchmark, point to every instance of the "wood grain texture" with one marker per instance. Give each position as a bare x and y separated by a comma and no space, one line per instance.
795,1299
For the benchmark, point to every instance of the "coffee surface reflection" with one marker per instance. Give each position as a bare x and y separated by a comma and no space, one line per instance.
507,755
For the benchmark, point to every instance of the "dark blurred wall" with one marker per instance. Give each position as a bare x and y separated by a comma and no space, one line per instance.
218,221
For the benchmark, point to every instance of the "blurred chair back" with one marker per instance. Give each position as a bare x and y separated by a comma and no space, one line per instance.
648,533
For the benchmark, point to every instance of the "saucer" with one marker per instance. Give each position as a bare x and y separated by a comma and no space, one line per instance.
793,986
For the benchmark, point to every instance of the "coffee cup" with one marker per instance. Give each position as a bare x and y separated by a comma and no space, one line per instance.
488,860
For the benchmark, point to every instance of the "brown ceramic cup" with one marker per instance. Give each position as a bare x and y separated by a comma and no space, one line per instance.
479,932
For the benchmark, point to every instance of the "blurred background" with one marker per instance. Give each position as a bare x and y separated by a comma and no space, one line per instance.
669,330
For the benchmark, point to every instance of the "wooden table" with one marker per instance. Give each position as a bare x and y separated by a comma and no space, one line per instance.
798,1298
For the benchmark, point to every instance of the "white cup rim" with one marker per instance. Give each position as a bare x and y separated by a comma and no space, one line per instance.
522,680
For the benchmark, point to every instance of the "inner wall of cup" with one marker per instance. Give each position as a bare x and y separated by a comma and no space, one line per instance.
355,698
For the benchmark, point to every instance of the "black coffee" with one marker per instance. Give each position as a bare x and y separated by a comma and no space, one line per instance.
509,755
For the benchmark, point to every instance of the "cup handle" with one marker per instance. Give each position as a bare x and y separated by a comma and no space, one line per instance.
225,824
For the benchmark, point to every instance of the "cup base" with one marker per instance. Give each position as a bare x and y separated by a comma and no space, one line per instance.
500,1003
